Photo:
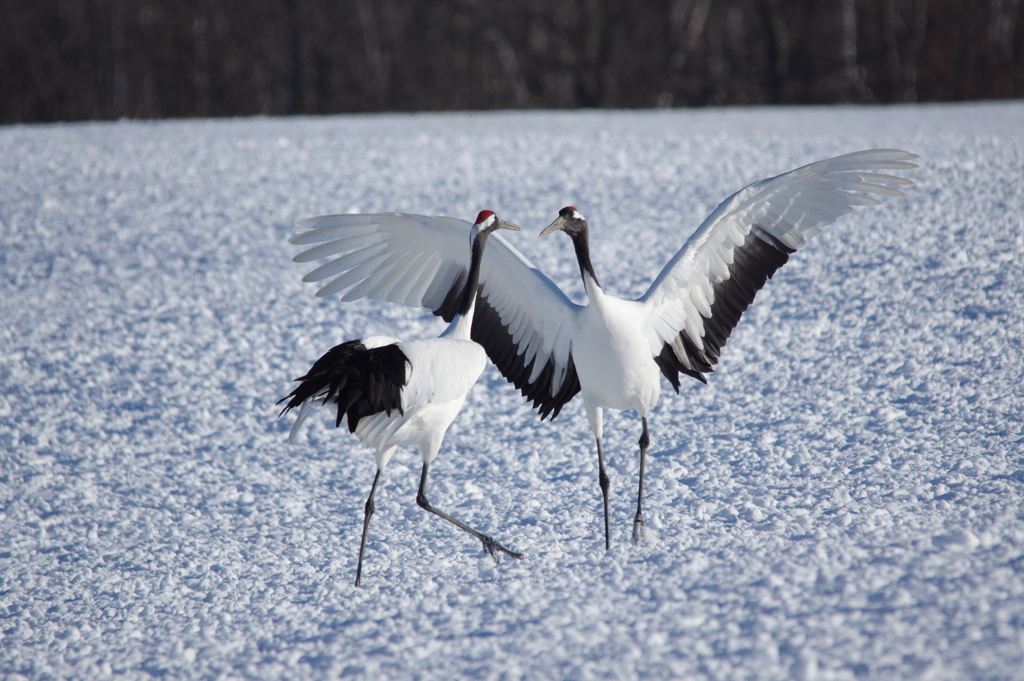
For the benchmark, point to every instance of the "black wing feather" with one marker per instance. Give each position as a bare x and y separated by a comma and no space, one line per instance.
449,307
753,265
496,340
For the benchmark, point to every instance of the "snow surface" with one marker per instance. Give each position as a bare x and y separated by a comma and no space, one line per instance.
843,501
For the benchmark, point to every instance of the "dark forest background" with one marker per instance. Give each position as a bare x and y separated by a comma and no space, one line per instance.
101,59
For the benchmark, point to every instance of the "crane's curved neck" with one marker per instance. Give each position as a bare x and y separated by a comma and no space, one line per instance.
463,321
581,242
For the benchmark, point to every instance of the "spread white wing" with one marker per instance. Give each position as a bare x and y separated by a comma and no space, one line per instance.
701,293
522,319
409,259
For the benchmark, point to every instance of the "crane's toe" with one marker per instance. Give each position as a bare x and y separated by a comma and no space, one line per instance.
493,547
639,532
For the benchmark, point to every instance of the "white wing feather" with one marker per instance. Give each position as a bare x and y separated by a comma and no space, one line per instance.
792,207
374,250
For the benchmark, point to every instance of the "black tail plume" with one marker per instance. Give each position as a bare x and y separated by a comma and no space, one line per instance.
361,381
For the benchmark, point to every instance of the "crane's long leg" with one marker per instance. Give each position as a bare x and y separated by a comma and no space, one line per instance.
490,544
638,522
605,483
367,512
595,415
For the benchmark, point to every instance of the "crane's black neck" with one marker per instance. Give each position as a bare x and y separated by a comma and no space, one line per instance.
581,242
469,294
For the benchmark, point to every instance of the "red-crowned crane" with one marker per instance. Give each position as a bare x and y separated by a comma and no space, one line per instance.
612,350
392,393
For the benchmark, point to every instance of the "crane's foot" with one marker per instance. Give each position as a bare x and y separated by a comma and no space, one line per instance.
639,532
493,547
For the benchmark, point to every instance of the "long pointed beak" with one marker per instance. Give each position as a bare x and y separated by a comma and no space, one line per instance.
554,226
505,224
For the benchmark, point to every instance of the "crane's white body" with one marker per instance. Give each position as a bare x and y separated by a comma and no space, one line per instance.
441,372
612,356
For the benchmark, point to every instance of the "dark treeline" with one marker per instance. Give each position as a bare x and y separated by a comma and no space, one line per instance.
87,59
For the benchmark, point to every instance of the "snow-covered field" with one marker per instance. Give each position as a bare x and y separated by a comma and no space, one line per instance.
843,501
